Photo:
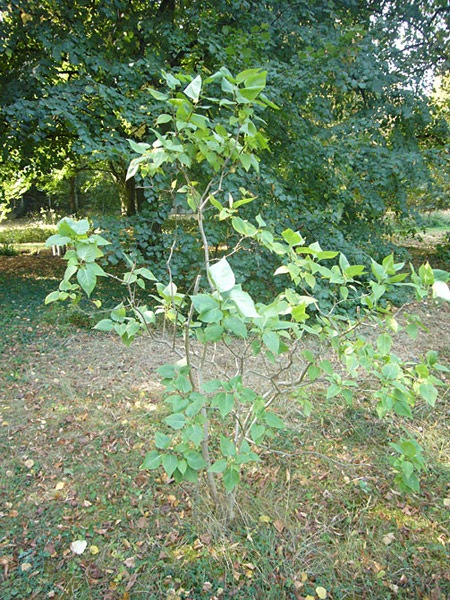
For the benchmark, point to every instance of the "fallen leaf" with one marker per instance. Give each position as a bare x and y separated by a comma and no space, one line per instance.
25,567
93,549
264,519
279,525
130,562
321,592
447,502
206,539
78,547
59,486
388,539
132,581
50,548
29,463
142,523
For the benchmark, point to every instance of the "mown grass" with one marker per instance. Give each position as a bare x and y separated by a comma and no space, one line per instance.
319,511
25,231
437,220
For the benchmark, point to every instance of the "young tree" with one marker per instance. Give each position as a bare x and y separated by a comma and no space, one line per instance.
217,419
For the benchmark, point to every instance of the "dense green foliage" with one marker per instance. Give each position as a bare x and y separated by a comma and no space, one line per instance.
347,145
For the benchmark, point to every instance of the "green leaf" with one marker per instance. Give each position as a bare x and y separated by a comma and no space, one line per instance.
348,396
139,148
378,271
52,297
230,479
69,227
211,386
293,238
176,421
246,161
428,392
167,371
213,333
225,404
169,463
440,275
219,466
227,447
333,390
195,406
390,371
211,316
86,252
384,343
274,420
222,275
236,326
204,302
412,330
158,95
269,102
164,118
194,88
272,341
407,447
239,225
162,441
245,75
146,273
313,372
243,302
183,384
195,460
191,475
327,367
152,460
194,433
86,279
257,431
104,325
58,240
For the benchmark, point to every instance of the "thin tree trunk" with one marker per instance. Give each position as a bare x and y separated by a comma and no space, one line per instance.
73,195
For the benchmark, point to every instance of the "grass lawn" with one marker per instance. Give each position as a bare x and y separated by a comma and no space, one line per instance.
318,516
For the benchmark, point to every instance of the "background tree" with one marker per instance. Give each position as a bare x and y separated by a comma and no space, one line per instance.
349,78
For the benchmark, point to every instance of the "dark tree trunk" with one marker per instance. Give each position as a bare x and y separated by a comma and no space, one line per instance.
127,189
73,196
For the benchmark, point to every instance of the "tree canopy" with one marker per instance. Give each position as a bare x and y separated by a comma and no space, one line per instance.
349,77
